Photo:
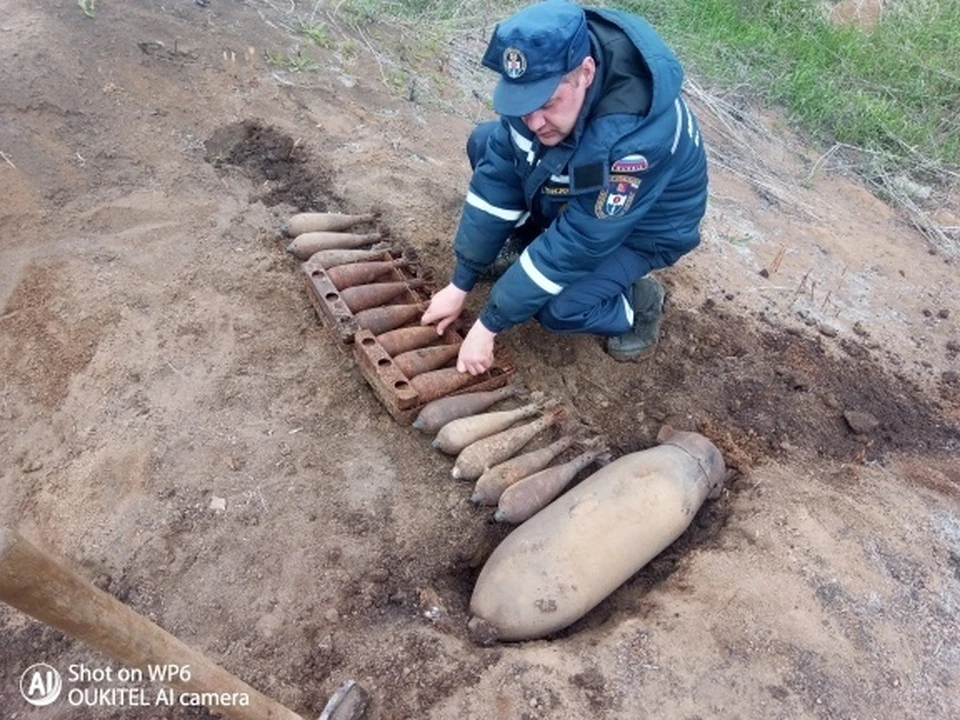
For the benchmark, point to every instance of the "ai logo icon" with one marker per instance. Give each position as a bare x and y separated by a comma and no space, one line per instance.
40,684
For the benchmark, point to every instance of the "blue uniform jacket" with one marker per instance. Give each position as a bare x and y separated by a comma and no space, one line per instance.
633,171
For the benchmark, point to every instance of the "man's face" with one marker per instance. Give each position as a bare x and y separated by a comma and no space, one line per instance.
555,120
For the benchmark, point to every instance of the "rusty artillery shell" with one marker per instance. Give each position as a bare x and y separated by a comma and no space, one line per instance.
361,273
478,457
314,222
332,258
309,243
431,385
525,498
405,339
493,482
364,297
380,319
421,360
438,413
457,434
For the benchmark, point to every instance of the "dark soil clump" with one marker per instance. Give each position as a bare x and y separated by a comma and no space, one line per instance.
275,161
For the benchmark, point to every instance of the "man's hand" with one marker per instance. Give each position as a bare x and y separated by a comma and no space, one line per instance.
476,353
445,307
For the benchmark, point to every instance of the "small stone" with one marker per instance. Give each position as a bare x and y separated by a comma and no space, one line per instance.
927,312
827,331
331,615
482,632
943,314
430,604
797,381
830,400
33,466
860,330
729,296
218,504
950,377
378,576
911,188
659,414
860,422
764,273
953,346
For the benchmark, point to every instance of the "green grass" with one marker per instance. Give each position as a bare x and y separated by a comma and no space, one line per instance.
292,61
316,32
893,89
430,11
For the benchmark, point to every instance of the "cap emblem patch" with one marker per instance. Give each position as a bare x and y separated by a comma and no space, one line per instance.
514,63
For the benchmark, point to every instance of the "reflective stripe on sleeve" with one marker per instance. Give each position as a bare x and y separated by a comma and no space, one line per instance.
541,280
689,121
523,144
560,179
676,135
502,213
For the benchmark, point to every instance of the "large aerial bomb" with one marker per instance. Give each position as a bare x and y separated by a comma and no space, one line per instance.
563,561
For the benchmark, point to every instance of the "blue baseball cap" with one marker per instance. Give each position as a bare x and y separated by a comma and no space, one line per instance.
532,50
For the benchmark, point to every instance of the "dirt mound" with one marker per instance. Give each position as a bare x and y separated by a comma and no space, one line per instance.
281,166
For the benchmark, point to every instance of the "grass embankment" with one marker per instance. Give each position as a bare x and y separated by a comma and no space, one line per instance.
888,84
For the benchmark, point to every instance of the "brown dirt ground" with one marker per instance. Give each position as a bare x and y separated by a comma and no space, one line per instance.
157,350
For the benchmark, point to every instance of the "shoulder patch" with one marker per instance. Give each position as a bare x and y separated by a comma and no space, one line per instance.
617,197
630,164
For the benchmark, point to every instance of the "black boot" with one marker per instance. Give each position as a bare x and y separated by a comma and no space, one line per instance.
647,295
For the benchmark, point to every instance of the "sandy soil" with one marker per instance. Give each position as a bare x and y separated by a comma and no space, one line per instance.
158,353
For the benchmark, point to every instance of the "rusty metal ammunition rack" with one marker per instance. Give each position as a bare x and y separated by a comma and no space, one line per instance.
332,311
394,388
389,384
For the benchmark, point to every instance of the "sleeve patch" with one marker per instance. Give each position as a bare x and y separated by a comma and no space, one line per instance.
630,164
615,199
585,178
